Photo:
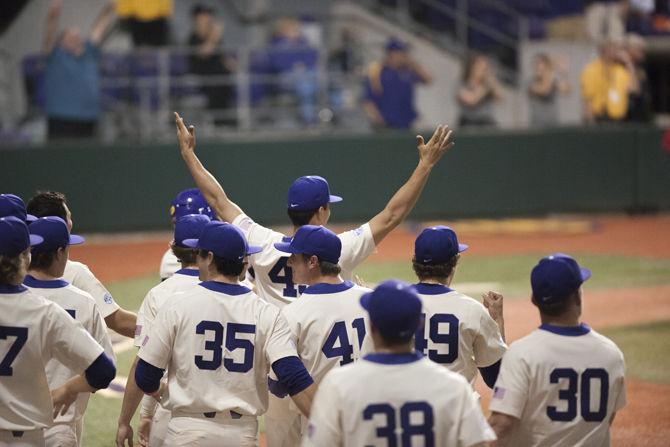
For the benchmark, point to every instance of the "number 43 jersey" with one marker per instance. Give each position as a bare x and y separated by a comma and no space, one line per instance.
564,384
274,279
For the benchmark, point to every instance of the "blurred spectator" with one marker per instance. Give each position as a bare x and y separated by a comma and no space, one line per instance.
639,109
606,83
147,20
389,87
605,19
72,78
478,92
550,80
209,60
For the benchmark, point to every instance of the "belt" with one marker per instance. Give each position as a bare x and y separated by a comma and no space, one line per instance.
15,433
228,415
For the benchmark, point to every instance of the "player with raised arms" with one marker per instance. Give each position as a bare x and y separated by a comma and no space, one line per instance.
563,383
52,203
47,263
457,332
154,418
327,322
218,342
395,396
33,331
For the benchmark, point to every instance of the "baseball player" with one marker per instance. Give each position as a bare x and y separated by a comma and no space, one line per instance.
13,205
51,203
328,323
563,383
457,331
154,419
395,396
46,266
33,331
218,342
188,201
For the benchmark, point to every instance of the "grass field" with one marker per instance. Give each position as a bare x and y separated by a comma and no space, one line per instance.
645,346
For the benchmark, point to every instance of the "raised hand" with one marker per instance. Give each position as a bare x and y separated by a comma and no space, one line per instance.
441,141
185,136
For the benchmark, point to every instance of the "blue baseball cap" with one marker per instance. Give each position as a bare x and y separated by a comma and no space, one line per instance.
556,277
55,234
394,44
314,240
190,201
224,240
309,193
14,236
395,309
189,227
437,245
12,205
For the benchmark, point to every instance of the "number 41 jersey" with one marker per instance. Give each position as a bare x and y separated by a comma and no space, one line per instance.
564,384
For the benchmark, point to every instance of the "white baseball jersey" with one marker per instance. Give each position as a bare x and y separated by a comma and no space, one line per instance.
34,330
169,265
182,281
82,307
80,276
217,342
274,279
564,384
459,333
395,399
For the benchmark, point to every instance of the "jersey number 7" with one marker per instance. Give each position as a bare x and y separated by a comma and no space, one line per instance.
21,334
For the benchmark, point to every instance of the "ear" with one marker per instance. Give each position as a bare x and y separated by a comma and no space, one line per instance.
313,262
532,300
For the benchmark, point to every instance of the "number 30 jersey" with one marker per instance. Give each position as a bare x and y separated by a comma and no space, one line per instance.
564,384
274,279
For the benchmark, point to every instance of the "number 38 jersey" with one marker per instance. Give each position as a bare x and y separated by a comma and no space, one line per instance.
217,342
274,279
564,384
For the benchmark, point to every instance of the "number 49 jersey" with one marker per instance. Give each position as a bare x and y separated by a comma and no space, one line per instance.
564,384
274,279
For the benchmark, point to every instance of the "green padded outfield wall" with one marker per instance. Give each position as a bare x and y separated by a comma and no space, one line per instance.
487,174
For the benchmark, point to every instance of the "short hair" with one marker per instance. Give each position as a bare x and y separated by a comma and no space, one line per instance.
428,271
47,203
556,308
42,261
224,266
300,218
325,268
184,254
10,268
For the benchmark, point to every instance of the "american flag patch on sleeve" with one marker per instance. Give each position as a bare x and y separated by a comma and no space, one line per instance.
146,339
138,330
498,392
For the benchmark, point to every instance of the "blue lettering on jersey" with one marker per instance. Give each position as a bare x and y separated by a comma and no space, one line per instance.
423,413
286,278
232,343
21,334
569,394
449,339
337,343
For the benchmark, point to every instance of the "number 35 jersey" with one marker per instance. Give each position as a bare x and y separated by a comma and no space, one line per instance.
274,279
564,384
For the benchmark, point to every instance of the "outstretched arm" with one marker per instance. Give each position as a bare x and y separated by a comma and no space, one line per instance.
405,198
101,23
225,208
51,28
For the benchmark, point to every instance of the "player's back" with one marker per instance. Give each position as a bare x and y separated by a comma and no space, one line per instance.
575,385
387,398
458,332
329,325
221,336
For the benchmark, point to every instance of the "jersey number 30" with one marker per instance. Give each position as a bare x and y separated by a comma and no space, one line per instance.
232,343
21,334
590,376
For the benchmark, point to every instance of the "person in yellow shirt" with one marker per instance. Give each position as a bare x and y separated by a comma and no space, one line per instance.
147,20
606,83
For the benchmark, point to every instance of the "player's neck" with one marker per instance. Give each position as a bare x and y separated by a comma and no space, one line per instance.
405,348
326,279
189,266
570,320
43,275
224,279
441,281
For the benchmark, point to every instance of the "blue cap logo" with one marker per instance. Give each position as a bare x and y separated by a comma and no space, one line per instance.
314,240
224,240
309,193
14,236
395,309
189,227
12,205
556,277
55,234
437,245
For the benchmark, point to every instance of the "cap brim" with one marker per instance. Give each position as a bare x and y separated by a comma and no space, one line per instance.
284,246
252,249
334,199
365,300
31,218
462,247
586,273
190,243
75,239
35,240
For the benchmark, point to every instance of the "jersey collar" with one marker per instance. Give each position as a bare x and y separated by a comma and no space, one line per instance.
393,359
222,287
188,272
323,288
431,289
569,331
9,289
31,281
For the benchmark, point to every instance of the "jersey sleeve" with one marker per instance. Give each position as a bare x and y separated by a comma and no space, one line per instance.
357,245
288,312
70,343
489,346
473,427
100,333
325,426
280,343
256,234
145,318
84,279
620,386
510,392
156,348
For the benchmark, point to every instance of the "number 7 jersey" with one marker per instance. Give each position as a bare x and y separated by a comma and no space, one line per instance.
564,384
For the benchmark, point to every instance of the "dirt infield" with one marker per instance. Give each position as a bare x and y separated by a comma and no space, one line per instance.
642,422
